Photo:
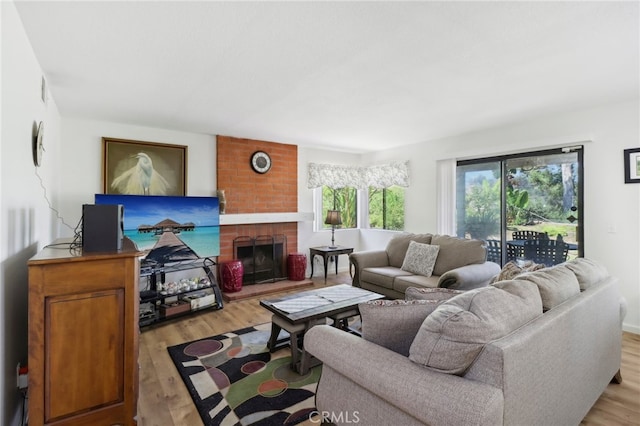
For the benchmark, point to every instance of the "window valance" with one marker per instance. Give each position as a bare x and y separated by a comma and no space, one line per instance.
339,176
386,175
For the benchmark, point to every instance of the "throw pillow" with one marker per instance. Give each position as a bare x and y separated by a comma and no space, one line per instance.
420,258
512,269
453,335
394,323
430,293
398,245
556,284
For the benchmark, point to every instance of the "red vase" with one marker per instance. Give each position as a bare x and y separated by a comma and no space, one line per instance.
296,266
231,276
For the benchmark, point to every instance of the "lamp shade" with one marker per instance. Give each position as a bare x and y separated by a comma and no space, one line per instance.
333,218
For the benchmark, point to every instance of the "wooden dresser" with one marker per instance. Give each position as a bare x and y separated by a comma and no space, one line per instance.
83,337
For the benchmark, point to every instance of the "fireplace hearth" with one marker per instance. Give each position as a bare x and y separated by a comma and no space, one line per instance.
263,258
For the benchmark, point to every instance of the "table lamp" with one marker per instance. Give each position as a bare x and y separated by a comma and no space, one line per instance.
333,219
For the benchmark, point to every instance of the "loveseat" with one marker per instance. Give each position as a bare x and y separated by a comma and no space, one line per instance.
459,264
536,350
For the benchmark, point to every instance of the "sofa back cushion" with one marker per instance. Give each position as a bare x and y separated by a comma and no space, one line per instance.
453,335
398,245
587,271
456,252
556,284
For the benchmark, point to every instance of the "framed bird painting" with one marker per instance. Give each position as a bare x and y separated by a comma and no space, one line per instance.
143,168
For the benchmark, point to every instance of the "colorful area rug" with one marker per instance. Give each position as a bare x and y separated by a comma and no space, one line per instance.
234,380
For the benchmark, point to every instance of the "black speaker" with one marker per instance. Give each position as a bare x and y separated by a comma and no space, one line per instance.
102,227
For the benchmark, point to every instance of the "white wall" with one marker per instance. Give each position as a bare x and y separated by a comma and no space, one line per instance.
609,202
82,155
27,222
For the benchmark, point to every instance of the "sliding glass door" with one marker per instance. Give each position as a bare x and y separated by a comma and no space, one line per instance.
526,206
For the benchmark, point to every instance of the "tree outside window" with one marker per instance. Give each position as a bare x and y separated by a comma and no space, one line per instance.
344,200
386,208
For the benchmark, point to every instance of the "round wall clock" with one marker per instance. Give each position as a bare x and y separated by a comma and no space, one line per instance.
37,145
260,162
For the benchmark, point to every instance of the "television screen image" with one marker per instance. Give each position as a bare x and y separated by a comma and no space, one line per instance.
170,228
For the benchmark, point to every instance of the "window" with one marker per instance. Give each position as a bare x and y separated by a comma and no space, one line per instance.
351,197
344,200
537,193
386,208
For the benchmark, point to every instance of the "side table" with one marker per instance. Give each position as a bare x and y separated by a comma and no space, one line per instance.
328,252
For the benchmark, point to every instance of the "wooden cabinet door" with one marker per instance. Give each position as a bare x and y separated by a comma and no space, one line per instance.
84,343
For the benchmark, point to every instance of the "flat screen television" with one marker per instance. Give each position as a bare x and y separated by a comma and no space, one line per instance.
170,228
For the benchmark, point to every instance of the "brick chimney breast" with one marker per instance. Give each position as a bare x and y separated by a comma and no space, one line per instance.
249,192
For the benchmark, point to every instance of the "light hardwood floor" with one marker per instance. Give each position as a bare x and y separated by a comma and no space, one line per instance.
164,400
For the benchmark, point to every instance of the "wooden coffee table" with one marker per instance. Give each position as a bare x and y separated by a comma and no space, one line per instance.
297,313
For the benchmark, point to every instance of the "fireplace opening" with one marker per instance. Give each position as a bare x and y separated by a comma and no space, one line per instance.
263,258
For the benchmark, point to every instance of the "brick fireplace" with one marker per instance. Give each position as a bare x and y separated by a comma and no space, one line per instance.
249,192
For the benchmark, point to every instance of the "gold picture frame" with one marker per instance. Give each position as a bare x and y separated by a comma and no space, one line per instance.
132,167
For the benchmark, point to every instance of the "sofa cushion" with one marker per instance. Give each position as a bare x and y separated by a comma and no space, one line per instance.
556,284
424,293
587,271
456,252
512,269
420,258
398,245
394,323
382,275
453,335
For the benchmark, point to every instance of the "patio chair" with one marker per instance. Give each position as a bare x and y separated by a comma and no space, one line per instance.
514,251
529,235
547,252
494,251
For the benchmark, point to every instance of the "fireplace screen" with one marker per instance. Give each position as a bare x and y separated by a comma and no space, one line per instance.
263,258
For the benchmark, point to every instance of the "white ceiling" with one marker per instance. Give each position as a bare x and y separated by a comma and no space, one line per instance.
360,76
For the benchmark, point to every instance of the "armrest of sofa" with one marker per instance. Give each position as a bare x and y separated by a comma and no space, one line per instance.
429,396
470,276
367,259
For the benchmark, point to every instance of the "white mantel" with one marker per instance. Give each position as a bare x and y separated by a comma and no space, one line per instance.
251,218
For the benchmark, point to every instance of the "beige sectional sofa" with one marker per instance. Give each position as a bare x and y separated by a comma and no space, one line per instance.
460,264
536,350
